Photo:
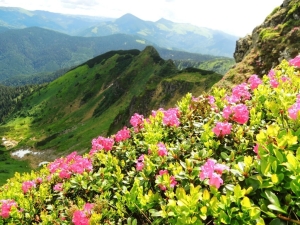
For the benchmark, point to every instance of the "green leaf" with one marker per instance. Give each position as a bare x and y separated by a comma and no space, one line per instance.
276,222
238,191
292,160
272,198
224,218
276,208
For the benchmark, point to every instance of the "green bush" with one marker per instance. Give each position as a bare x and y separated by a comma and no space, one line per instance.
221,159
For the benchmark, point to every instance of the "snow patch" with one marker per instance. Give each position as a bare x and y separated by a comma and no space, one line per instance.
22,152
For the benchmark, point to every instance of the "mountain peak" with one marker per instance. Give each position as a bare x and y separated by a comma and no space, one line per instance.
128,17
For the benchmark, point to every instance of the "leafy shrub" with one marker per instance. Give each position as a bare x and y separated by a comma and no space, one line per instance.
221,159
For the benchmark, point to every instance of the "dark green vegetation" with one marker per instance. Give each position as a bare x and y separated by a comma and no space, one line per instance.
163,33
11,98
8,166
271,42
98,97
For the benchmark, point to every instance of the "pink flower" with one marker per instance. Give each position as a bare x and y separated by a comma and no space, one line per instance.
240,113
140,163
162,172
254,81
219,168
255,149
101,143
6,206
295,61
27,185
173,182
271,74
162,151
212,171
80,218
215,180
88,207
294,111
137,121
122,135
274,83
221,129
207,169
58,187
38,180
171,117
241,91
227,112
72,163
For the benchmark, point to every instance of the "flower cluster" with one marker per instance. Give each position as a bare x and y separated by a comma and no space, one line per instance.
222,128
122,135
6,206
273,81
162,151
212,171
27,185
140,163
137,121
171,182
238,113
254,81
295,61
294,109
101,143
81,217
170,116
72,164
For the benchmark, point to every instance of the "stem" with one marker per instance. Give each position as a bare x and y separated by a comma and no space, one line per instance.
143,214
288,219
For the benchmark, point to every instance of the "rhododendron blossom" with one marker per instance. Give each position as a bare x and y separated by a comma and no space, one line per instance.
241,92
6,206
27,185
254,81
81,217
255,149
58,187
171,117
101,143
212,171
162,151
122,135
294,111
273,81
221,129
136,120
295,61
238,113
140,163
73,163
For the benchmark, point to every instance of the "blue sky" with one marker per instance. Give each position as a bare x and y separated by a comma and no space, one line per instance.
237,17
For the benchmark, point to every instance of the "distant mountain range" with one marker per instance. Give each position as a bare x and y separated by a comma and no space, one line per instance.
163,33
36,50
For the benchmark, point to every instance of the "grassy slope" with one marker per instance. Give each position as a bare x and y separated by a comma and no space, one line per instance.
69,112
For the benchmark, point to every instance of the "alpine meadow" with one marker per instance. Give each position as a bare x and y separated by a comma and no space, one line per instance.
122,125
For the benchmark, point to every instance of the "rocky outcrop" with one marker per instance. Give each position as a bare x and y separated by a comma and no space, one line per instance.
277,38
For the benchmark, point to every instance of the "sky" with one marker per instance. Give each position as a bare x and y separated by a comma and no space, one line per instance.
237,17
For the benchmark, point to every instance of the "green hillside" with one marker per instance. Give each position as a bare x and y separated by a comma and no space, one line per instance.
67,113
